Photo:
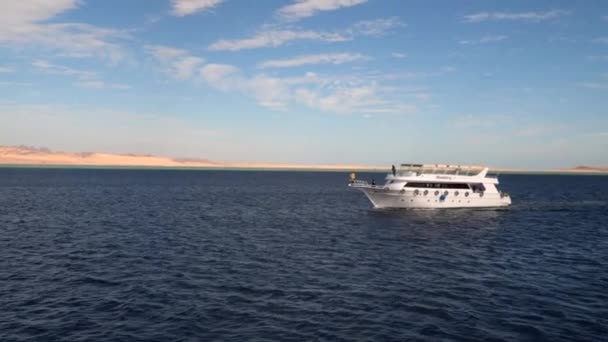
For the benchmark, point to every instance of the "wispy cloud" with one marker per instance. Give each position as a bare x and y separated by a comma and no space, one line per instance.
14,84
22,13
55,69
101,85
398,55
484,122
534,17
376,27
25,23
600,40
182,8
306,8
598,58
356,99
6,69
592,85
352,94
331,58
598,134
484,40
165,53
414,75
85,78
222,76
274,38
424,97
534,130
269,92
182,65
355,95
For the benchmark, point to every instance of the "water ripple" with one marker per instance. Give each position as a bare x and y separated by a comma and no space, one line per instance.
180,256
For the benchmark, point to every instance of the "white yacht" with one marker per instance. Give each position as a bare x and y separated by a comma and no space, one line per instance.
434,186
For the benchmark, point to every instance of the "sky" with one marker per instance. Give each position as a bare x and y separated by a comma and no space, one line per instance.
502,83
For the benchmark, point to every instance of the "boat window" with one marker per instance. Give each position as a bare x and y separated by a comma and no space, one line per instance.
437,185
478,188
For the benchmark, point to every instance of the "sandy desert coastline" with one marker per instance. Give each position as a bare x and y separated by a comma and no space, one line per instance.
33,156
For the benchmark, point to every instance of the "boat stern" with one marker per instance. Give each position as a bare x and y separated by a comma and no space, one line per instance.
505,198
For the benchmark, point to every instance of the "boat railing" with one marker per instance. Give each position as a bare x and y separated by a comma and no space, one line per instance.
462,170
366,184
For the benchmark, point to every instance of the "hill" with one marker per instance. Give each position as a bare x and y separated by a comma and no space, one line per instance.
26,155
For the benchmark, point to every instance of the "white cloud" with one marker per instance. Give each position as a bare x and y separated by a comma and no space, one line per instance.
19,13
25,23
306,8
522,16
326,94
350,99
164,53
331,58
6,69
187,7
216,72
182,65
399,55
484,40
274,38
347,94
221,76
185,67
270,92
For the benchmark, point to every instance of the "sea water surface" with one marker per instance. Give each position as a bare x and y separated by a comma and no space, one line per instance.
161,255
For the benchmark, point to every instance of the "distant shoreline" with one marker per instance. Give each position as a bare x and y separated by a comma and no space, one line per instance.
187,168
32,157
279,169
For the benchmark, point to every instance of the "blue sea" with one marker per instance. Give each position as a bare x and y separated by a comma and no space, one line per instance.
174,255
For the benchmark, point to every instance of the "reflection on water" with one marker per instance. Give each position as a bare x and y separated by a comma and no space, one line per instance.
462,218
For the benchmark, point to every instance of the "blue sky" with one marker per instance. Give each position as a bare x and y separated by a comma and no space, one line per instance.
504,83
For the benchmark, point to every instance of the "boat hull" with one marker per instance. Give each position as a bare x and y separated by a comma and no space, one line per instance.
383,198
